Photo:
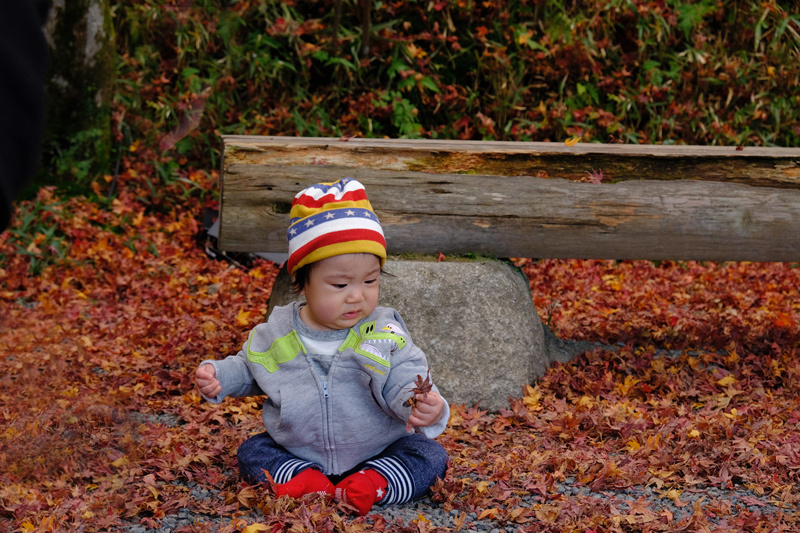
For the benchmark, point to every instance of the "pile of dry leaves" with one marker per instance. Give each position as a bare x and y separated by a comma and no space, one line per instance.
101,425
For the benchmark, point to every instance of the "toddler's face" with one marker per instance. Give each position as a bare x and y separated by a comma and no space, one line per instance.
341,290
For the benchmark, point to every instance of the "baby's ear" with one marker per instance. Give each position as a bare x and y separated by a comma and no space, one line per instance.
294,285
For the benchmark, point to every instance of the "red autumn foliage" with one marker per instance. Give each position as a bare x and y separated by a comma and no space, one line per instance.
695,386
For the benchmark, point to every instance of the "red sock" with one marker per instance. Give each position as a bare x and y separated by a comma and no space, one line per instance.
308,481
362,489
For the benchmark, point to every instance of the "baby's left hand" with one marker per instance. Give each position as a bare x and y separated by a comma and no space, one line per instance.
426,412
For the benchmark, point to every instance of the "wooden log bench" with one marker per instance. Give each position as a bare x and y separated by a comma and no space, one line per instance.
516,199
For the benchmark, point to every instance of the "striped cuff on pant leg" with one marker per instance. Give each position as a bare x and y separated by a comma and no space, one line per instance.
289,469
401,486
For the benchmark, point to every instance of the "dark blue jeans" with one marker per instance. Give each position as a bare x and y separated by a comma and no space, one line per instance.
410,464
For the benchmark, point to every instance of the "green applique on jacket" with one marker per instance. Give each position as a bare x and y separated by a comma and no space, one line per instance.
282,350
368,342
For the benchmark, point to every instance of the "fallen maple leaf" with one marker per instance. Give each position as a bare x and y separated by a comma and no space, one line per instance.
246,496
595,176
784,320
490,513
253,528
421,386
459,521
243,318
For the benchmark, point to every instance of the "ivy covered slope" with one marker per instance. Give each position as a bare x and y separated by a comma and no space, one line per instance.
633,71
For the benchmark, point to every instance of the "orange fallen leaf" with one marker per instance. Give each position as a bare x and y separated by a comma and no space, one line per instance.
490,513
784,320
253,528
459,521
243,317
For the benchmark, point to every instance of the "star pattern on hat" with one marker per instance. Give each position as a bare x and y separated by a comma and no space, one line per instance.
316,220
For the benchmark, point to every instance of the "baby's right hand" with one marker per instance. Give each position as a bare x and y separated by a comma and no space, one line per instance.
206,379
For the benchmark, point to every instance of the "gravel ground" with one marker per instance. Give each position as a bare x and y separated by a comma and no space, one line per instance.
741,499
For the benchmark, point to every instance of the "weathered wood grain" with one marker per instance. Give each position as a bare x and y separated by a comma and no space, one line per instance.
757,166
424,209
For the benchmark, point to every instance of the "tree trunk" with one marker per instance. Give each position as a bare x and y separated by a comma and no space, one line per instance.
77,143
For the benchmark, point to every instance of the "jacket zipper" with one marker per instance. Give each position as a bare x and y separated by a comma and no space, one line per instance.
328,440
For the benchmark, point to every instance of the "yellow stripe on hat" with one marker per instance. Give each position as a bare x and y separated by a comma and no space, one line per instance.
341,248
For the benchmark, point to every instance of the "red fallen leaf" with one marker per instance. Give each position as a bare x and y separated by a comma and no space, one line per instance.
422,386
595,176
784,320
440,257
751,500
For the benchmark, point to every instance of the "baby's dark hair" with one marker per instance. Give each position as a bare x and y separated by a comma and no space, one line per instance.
300,278
301,275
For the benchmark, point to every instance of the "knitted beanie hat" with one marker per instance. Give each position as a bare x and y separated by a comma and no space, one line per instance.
330,219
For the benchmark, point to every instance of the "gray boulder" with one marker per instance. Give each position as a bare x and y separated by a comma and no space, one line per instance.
476,322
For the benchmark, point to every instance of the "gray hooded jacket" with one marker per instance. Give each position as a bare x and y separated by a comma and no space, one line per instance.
348,416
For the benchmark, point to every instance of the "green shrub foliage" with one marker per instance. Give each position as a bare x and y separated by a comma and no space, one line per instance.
720,72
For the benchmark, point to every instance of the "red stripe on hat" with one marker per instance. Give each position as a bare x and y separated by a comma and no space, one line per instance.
336,237
350,196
